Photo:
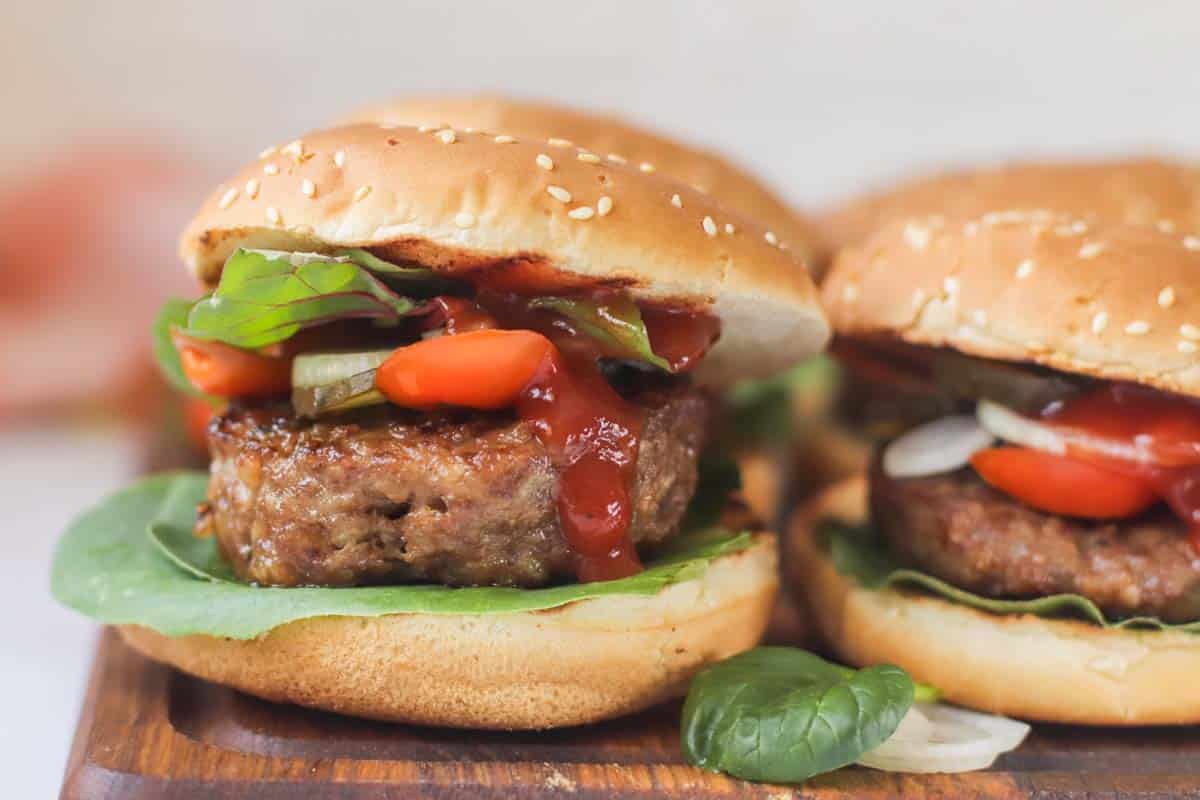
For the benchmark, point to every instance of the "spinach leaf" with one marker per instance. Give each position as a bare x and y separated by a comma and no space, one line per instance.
782,715
616,322
173,314
858,553
266,296
134,560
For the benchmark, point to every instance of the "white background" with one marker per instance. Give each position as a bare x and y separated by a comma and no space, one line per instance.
822,98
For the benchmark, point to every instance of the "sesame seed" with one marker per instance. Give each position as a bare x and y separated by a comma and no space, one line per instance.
1079,227
1186,347
270,169
980,317
709,226
270,151
560,142
503,139
1099,322
447,136
581,212
361,192
916,236
771,238
294,148
464,219
252,188
1166,226
1191,242
228,198
604,206
559,193
1091,250
1166,298
273,215
1001,217
1025,269
950,285
730,229
616,159
468,130
1138,328
544,161
971,228
646,166
677,201
849,293
1189,331
425,128
339,158
308,188
588,158
918,298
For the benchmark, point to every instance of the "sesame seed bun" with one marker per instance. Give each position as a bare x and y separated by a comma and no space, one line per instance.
1140,191
1018,665
1112,300
461,202
613,137
580,663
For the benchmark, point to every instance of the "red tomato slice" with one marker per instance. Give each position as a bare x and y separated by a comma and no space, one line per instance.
218,369
485,369
1062,485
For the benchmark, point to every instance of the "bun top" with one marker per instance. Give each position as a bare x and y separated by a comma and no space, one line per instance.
611,136
1142,191
459,202
1112,300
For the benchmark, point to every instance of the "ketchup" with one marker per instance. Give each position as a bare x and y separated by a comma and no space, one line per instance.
1165,428
591,433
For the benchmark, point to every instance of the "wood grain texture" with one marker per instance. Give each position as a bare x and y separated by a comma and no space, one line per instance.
149,732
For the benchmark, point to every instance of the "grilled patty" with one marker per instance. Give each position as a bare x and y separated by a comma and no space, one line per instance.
386,495
961,530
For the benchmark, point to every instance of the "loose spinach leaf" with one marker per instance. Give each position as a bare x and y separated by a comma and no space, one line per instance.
133,560
616,322
782,715
267,296
858,553
173,314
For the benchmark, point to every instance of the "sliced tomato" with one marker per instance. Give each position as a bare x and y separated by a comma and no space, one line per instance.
224,371
1062,485
485,369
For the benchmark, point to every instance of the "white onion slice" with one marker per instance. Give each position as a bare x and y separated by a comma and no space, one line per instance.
1010,426
943,445
934,737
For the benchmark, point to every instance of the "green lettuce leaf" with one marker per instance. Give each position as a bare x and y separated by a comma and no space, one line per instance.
782,715
267,296
762,411
133,560
858,553
173,314
616,322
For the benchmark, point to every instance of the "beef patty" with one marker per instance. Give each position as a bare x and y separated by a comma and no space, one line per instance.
961,530
386,495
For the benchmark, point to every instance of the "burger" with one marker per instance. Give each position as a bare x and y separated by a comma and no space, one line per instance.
1029,539
459,477
753,416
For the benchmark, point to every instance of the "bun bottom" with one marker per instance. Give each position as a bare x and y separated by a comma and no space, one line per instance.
580,663
1017,665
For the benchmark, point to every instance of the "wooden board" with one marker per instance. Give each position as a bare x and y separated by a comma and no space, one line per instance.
147,731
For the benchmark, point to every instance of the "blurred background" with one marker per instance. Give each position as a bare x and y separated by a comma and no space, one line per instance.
119,116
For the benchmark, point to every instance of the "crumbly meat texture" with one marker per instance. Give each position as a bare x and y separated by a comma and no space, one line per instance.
961,530
391,496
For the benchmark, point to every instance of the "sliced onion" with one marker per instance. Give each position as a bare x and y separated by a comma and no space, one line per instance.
934,737
943,445
1010,426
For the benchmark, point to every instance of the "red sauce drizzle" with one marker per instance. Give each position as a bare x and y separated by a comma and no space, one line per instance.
1165,427
590,431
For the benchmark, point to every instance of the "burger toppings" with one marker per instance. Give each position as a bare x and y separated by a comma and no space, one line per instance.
469,346
943,445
